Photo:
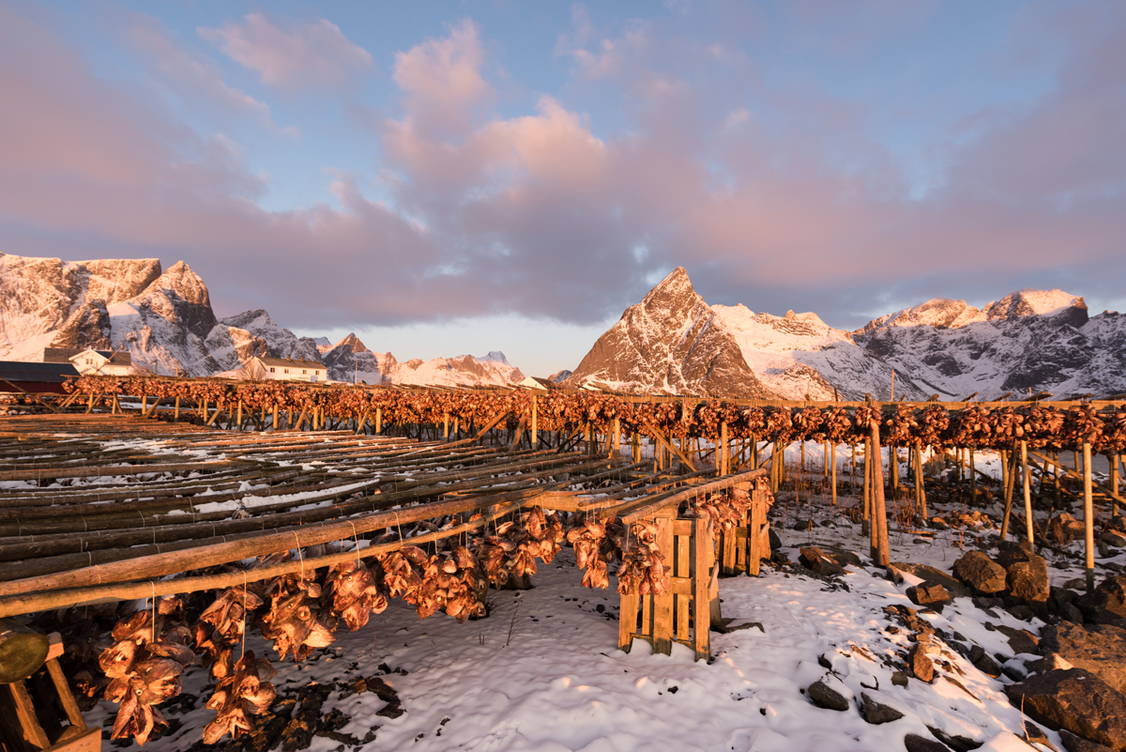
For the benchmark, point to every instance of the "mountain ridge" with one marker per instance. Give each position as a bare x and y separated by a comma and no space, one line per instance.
1027,341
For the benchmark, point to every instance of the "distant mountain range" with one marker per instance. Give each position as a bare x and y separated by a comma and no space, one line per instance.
1027,342
672,342
165,320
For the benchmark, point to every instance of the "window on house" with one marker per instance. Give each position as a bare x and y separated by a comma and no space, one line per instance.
287,370
302,371
272,369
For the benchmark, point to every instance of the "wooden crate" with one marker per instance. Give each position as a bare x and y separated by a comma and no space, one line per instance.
682,613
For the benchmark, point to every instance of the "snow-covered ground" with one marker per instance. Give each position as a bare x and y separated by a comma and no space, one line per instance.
542,671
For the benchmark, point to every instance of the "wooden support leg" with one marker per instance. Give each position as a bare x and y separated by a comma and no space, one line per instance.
1088,518
1026,475
703,560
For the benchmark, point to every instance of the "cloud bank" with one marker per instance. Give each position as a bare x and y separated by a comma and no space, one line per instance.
777,196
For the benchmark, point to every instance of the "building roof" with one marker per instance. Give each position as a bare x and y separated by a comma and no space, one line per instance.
18,371
272,361
64,354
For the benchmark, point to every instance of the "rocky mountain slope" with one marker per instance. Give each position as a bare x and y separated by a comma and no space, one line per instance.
673,342
165,320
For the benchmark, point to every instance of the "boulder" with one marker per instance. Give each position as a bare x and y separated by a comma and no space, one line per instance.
956,742
1107,605
1028,580
1073,743
922,667
1100,649
980,572
876,712
916,743
932,596
1020,640
1010,552
1064,528
824,696
928,574
1075,700
819,561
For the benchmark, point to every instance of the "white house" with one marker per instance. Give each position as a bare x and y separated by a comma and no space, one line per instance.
91,362
282,369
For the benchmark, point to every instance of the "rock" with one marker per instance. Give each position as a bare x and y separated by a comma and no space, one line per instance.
1020,640
1113,538
1028,580
934,596
1073,743
842,555
984,661
1062,603
922,667
818,561
775,541
955,741
1076,700
824,696
1010,552
1107,605
1021,611
899,678
875,712
980,572
1100,649
916,743
928,574
1064,528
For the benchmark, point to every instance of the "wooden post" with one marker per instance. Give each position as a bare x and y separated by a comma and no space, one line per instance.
1027,477
446,427
833,470
238,415
144,405
880,554
920,483
703,559
379,420
535,435
973,476
176,410
722,465
635,446
615,437
1007,486
275,416
867,483
1114,480
1088,518
893,469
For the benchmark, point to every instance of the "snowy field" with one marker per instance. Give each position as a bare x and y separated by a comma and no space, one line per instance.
542,671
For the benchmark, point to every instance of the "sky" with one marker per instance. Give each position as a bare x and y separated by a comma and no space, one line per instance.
450,177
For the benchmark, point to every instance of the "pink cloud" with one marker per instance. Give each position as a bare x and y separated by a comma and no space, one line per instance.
539,215
298,55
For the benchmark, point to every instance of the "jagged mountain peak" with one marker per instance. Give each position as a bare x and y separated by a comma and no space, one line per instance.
494,355
1023,303
351,342
184,283
675,288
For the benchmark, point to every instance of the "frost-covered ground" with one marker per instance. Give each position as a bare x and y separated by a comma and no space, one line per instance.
542,671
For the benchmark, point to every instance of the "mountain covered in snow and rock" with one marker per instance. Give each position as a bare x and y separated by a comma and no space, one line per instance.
1030,341
164,319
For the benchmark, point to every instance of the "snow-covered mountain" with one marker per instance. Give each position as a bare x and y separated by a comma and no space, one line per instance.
464,370
165,321
673,342
1029,341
